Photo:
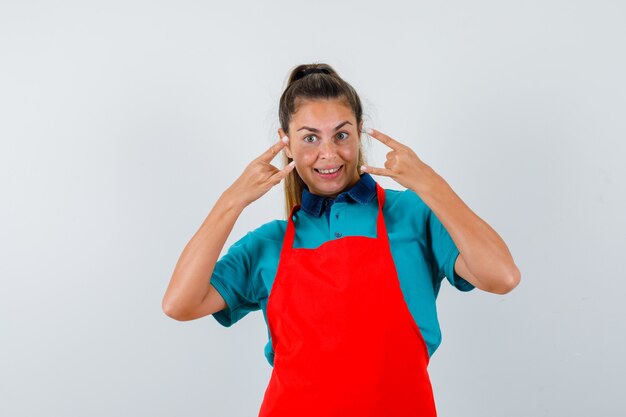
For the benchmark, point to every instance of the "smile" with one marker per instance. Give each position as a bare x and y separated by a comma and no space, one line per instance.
328,173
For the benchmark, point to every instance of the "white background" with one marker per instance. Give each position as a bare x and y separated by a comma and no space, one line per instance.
121,122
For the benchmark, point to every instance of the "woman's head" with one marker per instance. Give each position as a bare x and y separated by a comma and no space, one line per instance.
323,117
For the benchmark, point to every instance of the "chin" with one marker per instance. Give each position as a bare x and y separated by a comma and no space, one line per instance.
329,191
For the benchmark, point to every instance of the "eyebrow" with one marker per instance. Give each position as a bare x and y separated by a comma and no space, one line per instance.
312,129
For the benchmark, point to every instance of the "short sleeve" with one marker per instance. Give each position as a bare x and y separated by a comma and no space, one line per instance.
232,279
445,252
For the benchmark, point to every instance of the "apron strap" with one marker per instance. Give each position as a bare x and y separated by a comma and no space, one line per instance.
291,231
381,229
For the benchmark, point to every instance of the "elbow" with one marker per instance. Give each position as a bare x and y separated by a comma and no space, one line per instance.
507,285
174,310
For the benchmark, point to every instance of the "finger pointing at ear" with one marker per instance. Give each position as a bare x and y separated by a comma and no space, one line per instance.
392,143
259,176
402,164
273,150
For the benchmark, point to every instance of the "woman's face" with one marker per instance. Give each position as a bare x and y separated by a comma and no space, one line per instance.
324,142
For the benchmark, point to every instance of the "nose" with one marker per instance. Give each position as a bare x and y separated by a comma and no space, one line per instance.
328,149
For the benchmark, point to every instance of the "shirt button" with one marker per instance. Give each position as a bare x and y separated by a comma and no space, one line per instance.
337,234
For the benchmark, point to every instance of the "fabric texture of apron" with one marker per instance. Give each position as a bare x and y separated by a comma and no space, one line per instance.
345,343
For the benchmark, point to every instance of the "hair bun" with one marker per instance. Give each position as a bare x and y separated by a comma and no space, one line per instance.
308,71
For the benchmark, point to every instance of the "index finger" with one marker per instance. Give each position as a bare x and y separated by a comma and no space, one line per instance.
392,143
273,150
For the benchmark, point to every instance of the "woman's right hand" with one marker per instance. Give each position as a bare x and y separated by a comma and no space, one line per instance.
260,176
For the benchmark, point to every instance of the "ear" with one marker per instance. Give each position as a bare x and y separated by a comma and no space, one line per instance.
281,134
360,132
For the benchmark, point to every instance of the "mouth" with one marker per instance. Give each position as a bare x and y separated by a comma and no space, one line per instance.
329,173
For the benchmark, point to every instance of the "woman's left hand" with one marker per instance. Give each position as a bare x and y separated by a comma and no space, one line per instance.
403,165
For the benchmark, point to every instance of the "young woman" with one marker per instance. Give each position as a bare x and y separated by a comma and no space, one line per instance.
347,284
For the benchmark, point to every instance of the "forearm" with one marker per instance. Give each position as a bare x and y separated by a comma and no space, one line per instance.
191,277
484,252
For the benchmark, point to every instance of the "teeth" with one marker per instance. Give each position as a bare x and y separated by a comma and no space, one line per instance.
328,171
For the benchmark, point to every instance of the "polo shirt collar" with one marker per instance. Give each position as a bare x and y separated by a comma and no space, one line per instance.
362,192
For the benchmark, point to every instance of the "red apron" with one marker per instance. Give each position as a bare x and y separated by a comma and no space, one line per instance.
345,342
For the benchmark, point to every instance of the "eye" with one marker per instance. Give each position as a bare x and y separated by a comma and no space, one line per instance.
342,133
310,139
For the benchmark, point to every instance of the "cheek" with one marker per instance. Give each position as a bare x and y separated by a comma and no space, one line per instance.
303,157
350,154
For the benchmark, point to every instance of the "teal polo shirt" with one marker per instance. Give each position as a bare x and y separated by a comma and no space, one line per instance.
422,250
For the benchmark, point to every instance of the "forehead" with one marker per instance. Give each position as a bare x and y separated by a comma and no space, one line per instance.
321,113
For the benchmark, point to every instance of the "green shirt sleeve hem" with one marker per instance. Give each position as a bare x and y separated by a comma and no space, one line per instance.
225,316
455,279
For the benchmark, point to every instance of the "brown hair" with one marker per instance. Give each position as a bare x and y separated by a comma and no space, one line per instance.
312,82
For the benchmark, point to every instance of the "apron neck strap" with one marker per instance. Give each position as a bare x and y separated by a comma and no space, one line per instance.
381,230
